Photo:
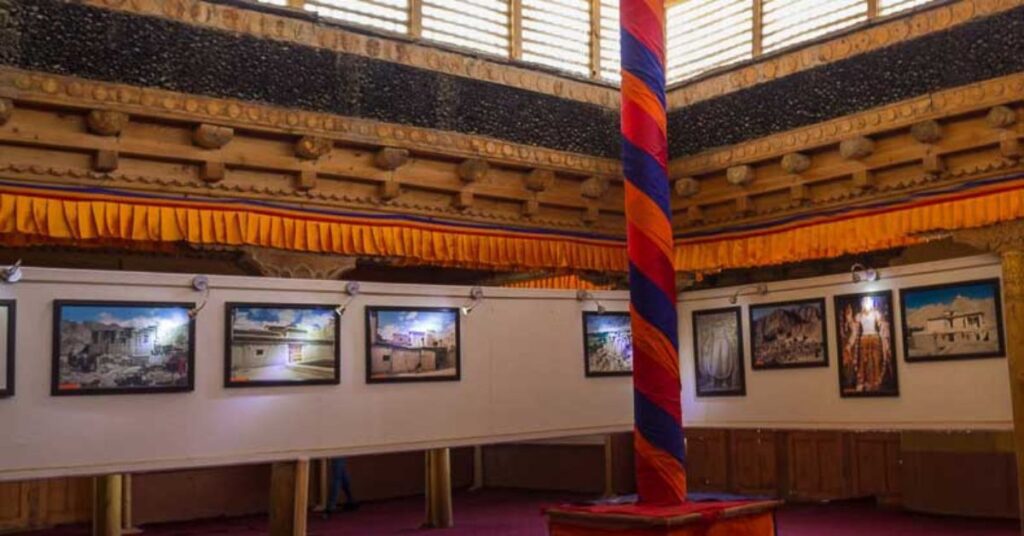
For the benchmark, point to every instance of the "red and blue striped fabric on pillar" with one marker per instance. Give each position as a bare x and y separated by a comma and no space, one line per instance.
658,436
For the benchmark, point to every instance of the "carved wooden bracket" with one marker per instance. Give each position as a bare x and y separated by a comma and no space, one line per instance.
531,207
1001,117
856,148
463,200
1009,145
863,180
312,147
795,163
694,215
591,214
539,180
212,136
929,131
390,158
473,170
594,187
106,122
687,187
799,194
213,171
6,110
740,175
744,205
306,180
390,189
105,160
279,263
933,163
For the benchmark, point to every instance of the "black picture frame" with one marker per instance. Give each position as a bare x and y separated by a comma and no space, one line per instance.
819,303
741,389
371,311
7,389
230,308
908,333
58,308
839,303
588,372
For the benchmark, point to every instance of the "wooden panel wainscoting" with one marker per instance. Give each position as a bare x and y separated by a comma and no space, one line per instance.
875,460
817,465
15,505
562,467
754,467
707,460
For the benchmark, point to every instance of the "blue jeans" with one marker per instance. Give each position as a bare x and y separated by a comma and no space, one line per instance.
339,481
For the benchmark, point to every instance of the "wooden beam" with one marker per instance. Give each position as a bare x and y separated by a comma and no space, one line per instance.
757,46
415,18
595,38
106,518
439,489
515,29
872,9
289,498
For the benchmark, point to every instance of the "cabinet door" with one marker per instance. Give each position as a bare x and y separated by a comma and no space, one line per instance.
817,465
68,500
752,458
15,505
875,460
707,456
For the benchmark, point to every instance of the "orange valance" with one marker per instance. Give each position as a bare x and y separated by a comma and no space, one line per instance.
558,282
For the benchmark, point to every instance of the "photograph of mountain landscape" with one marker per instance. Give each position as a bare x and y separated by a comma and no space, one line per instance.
122,347
788,335
953,321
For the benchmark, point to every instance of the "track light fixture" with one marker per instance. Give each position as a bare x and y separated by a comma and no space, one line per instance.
352,289
583,296
476,295
760,289
860,272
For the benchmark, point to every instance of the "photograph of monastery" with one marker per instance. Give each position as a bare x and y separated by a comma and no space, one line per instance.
788,335
412,344
272,344
953,321
122,347
608,343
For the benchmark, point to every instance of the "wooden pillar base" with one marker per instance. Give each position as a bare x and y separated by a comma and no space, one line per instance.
289,498
752,518
106,511
439,489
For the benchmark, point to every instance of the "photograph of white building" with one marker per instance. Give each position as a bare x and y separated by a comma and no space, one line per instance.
271,344
412,344
957,321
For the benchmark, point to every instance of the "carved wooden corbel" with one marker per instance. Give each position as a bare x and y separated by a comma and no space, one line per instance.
591,214
105,160
463,200
933,164
863,180
1001,117
1009,145
531,207
799,194
390,158
312,147
306,180
795,163
213,171
856,148
106,122
594,187
740,175
473,170
694,215
290,264
539,180
390,189
929,131
6,110
212,136
744,205
686,187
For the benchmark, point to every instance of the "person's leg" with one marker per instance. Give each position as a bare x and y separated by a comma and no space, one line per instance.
350,500
337,469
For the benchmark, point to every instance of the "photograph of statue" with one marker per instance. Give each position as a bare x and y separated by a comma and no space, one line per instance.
122,347
273,344
867,349
7,315
718,353
952,321
788,335
608,344
412,344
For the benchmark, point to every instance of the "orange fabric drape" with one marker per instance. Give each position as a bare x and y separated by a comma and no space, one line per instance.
558,282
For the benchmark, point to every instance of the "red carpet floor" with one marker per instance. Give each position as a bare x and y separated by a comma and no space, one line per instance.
507,513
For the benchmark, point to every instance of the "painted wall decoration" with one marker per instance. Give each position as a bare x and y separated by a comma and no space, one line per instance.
405,344
7,317
111,347
608,344
952,321
280,344
867,345
718,353
788,335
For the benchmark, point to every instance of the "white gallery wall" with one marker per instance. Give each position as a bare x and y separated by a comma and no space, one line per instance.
522,379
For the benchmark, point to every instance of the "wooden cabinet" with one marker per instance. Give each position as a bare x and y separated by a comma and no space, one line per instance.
874,458
44,503
707,459
817,464
753,461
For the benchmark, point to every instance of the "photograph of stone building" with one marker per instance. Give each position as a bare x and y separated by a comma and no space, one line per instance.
608,343
115,347
412,344
955,321
787,335
271,344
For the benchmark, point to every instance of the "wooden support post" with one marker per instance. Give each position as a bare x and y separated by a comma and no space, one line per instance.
595,38
127,525
324,485
609,476
478,468
106,506
439,489
415,18
515,29
289,498
757,42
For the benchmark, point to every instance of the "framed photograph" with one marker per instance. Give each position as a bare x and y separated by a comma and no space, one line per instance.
952,321
867,345
607,343
788,335
7,317
107,347
412,344
718,353
270,344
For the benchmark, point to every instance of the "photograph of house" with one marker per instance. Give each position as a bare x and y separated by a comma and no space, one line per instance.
608,343
410,344
122,347
950,321
282,344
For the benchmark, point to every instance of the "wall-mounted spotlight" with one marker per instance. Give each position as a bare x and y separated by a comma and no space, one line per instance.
476,295
352,289
760,289
583,296
860,272
12,273
200,283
